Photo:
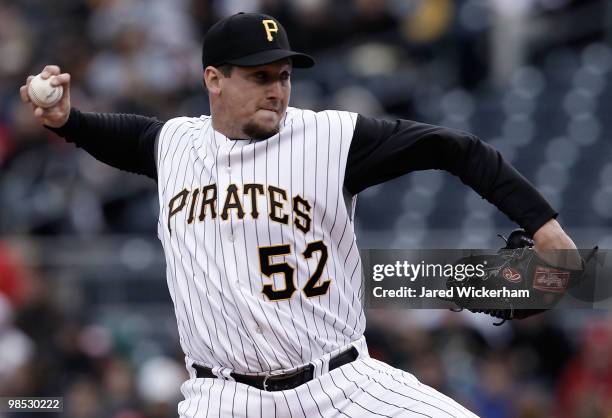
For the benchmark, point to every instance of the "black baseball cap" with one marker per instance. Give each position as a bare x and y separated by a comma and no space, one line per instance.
249,40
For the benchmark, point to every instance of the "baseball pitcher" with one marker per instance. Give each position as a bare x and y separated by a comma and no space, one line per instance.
256,205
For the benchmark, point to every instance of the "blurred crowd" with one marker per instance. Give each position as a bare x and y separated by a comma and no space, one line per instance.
55,343
502,70
532,77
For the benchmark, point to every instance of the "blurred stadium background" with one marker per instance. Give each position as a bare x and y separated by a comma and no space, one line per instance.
84,308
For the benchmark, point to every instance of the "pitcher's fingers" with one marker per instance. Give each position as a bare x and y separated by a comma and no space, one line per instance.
28,81
23,92
62,79
39,112
50,70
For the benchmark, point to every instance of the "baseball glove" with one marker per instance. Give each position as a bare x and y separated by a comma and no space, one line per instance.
514,283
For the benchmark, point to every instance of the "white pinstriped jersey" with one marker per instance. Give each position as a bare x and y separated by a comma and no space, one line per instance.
262,264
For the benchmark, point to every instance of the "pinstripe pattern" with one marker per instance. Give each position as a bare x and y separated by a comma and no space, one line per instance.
223,202
363,388
214,273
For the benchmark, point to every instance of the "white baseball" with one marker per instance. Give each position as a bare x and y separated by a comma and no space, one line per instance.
42,93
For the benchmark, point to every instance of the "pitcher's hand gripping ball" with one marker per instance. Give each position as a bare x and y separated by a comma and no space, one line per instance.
42,93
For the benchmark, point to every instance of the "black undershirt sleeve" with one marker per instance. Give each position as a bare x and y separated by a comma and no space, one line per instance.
123,141
382,150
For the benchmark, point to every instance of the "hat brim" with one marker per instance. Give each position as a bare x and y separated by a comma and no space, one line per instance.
298,59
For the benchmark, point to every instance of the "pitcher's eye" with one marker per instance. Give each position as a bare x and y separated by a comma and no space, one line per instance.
260,77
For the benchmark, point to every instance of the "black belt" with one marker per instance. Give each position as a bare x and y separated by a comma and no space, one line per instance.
272,383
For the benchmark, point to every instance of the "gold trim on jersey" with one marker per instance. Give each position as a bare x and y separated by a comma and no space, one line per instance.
208,202
280,206
274,204
194,200
259,188
310,289
270,269
183,193
232,194
305,216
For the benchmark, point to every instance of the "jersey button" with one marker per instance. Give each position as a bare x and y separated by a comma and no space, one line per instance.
230,238
258,330
228,169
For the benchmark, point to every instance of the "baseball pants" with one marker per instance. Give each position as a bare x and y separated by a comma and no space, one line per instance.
363,388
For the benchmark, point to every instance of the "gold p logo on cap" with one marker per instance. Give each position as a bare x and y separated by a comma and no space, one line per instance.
270,26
